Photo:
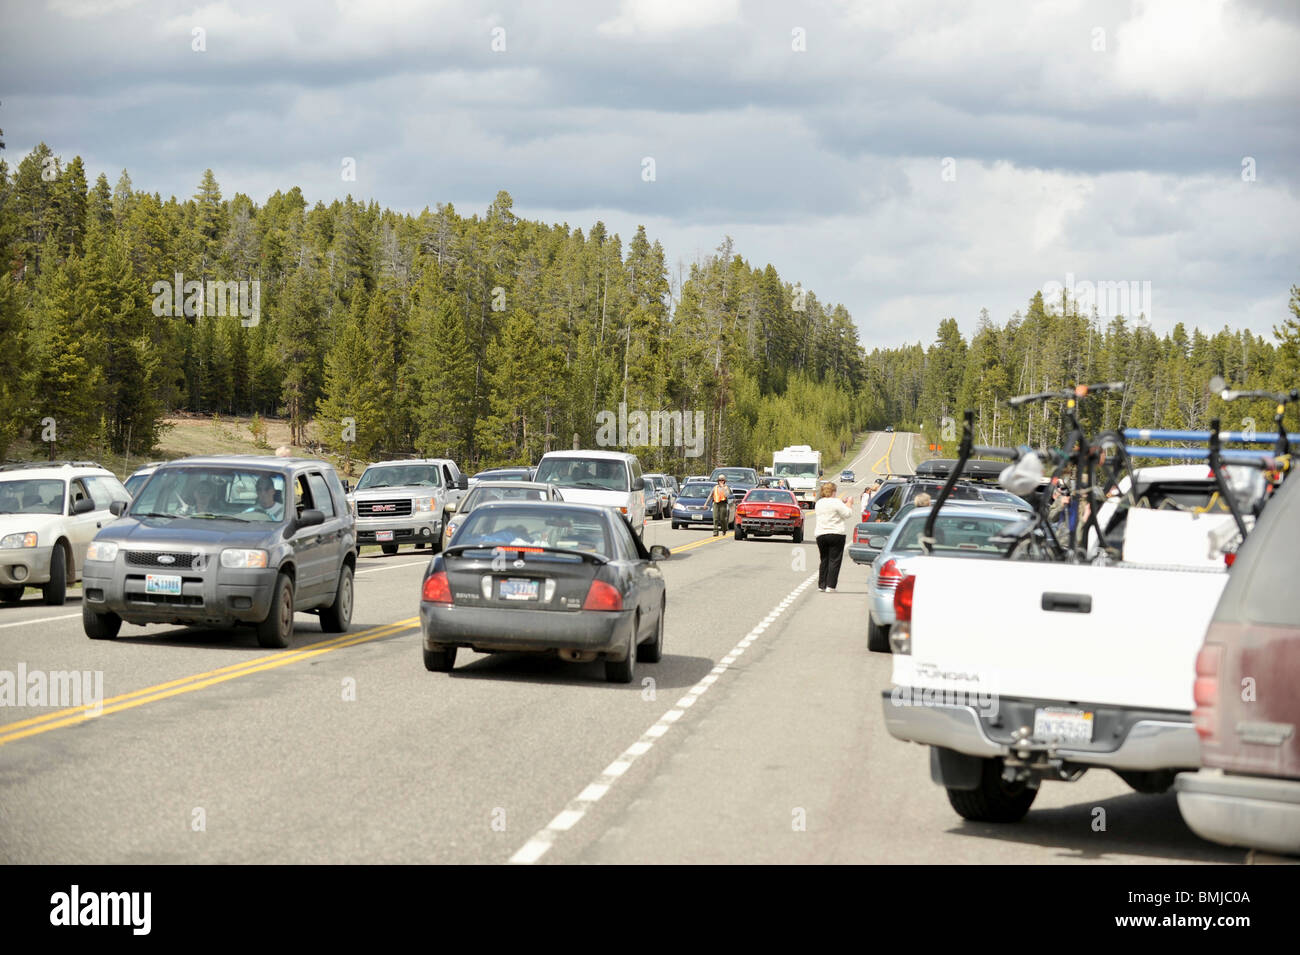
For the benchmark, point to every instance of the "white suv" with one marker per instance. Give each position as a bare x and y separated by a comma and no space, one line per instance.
48,515
610,478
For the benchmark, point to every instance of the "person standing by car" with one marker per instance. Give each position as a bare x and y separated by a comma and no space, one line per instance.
832,515
719,498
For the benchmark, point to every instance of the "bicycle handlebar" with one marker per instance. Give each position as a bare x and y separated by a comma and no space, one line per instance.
1078,391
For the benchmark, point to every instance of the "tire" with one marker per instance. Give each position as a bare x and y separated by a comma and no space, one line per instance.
740,533
798,536
676,525
56,591
99,626
11,595
652,651
877,636
440,661
276,631
337,617
994,800
622,671
419,545
388,549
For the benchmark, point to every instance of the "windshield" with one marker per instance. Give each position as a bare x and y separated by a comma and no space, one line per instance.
770,497
592,474
482,495
556,527
733,475
801,469
32,496
501,476
405,475
696,490
212,493
954,532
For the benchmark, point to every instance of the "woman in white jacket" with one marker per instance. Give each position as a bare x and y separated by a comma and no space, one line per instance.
832,529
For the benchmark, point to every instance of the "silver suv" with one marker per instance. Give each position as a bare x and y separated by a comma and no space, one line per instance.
48,515
224,541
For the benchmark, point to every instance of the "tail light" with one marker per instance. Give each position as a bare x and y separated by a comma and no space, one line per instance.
1205,691
602,596
903,599
856,538
866,517
890,576
1229,558
437,589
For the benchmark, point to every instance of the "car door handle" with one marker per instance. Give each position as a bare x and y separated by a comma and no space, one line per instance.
1067,603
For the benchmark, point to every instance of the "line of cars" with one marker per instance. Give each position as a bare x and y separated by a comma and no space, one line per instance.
1025,671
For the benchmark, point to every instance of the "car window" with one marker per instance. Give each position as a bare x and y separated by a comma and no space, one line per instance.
212,492
32,496
774,497
104,490
696,490
595,474
320,494
530,526
332,479
405,475
953,532
626,545
76,492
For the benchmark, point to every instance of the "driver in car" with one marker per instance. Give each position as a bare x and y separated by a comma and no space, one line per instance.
266,502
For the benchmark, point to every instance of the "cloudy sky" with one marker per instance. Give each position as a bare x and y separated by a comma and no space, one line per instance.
913,159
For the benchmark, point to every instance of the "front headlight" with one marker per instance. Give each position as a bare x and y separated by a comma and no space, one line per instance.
25,539
247,559
422,504
101,550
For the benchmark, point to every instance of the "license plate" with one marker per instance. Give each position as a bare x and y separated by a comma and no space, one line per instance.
162,584
769,513
517,588
383,535
1073,726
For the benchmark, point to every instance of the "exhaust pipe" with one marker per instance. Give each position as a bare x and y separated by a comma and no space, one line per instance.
577,656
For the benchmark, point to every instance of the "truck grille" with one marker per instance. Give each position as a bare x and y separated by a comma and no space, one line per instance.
394,508
149,558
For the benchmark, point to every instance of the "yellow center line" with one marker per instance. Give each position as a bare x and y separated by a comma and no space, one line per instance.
77,714
885,457
699,543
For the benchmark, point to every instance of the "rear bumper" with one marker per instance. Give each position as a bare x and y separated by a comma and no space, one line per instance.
859,554
1258,812
25,566
490,628
1143,742
759,525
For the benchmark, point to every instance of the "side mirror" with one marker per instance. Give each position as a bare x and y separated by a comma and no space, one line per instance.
117,508
310,518
462,483
639,485
660,552
83,505
347,487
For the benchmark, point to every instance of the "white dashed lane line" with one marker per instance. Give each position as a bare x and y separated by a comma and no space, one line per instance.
572,814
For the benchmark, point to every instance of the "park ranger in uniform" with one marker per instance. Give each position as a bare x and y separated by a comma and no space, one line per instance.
719,500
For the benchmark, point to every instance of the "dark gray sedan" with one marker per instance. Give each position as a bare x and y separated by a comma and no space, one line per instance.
533,576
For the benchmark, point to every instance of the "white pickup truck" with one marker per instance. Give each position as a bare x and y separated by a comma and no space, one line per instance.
1014,672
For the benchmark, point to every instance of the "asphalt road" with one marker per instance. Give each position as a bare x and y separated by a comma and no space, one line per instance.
758,738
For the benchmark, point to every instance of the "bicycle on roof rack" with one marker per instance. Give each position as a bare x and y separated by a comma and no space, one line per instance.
1034,538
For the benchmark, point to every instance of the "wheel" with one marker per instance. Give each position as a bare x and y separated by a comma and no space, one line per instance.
440,661
389,549
675,527
56,591
652,650
877,636
337,617
419,545
798,536
740,533
11,595
276,631
622,671
99,626
995,800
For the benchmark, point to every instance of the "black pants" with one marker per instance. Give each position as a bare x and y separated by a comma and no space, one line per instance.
831,548
720,517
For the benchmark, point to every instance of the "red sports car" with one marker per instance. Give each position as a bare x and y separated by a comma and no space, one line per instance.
766,511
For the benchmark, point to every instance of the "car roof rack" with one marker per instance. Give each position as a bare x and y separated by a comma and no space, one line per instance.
28,465
974,470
